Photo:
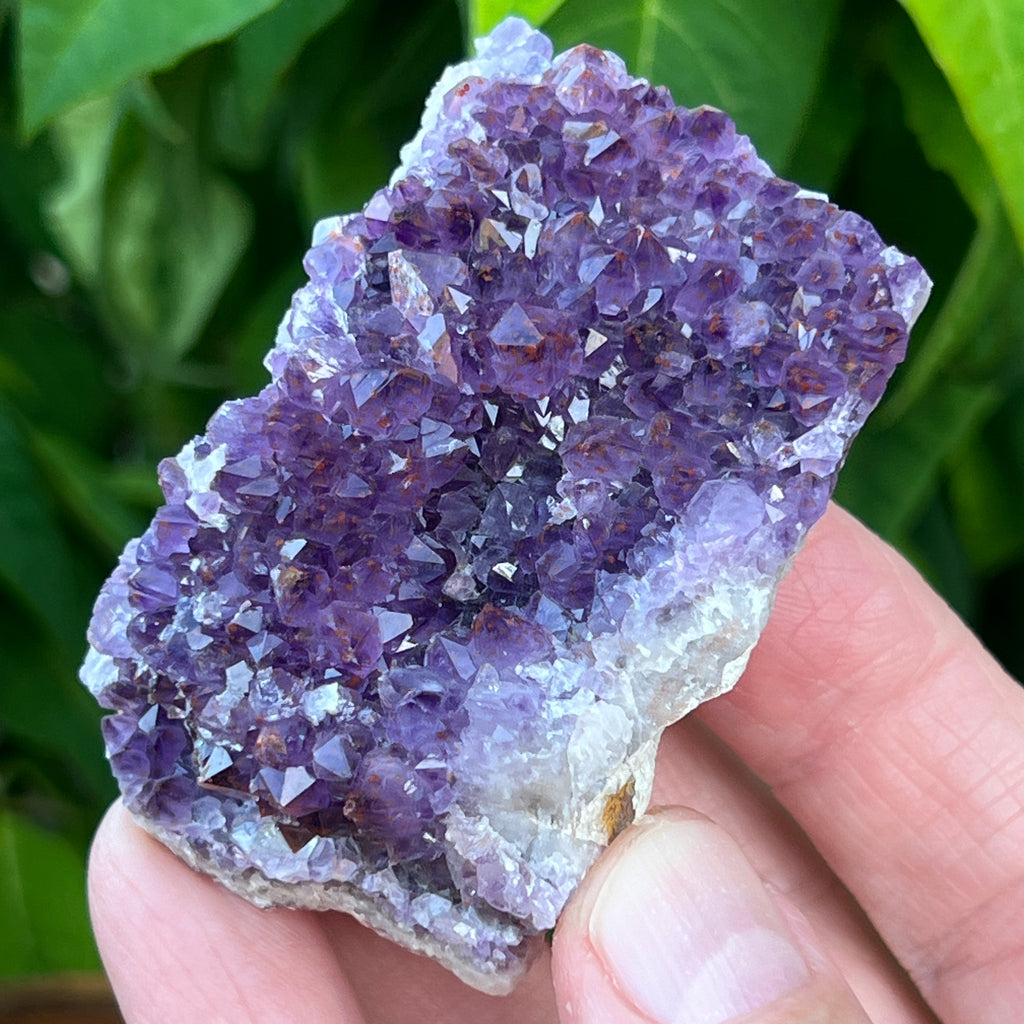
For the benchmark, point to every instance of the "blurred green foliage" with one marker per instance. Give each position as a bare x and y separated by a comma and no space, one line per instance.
161,166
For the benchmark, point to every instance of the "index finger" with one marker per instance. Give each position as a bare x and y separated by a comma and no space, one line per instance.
897,743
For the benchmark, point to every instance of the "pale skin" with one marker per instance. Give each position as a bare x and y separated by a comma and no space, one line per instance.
853,811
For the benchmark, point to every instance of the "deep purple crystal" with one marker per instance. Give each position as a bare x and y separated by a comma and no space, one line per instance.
546,426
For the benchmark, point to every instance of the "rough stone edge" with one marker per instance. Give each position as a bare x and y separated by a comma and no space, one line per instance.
267,893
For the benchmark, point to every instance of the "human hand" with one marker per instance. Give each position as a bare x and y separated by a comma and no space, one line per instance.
853,850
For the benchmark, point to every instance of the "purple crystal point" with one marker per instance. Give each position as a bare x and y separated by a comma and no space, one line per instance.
545,429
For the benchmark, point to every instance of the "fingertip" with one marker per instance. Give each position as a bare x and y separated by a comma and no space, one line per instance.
585,989
121,858
673,924
119,851
178,947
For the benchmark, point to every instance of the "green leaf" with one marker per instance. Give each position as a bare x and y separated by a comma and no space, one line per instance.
44,924
53,372
143,221
265,49
980,49
25,171
893,471
83,485
485,14
373,76
986,272
987,489
35,561
82,138
743,56
173,233
135,485
932,113
833,122
254,334
72,50
341,165
937,549
67,748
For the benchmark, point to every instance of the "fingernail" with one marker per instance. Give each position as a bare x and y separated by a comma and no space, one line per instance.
687,930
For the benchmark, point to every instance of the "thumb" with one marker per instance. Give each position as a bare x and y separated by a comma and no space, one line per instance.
673,926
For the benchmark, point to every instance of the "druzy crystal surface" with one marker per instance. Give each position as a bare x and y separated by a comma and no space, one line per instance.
545,428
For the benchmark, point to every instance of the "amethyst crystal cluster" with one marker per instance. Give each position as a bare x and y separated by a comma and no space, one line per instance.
545,428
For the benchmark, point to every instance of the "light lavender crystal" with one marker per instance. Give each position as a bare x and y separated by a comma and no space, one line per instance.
545,429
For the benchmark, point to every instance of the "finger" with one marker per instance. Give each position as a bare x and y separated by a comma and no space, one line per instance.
695,769
897,743
405,988
673,925
179,948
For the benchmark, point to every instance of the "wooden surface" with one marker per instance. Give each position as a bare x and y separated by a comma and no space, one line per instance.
63,999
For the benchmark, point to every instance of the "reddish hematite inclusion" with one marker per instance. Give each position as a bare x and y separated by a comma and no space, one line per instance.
546,425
